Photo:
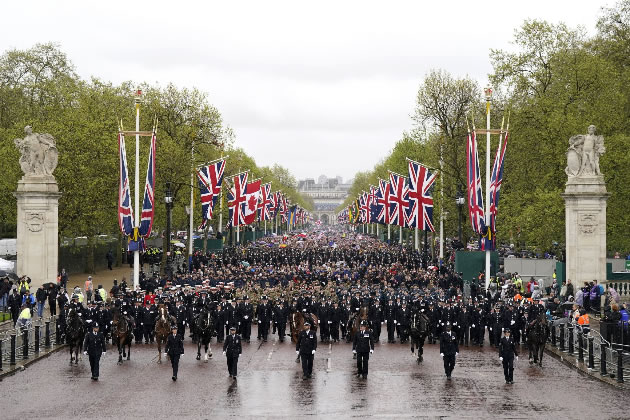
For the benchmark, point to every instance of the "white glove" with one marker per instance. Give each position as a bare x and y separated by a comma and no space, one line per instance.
226,322
239,323
501,358
142,323
454,323
473,325
246,317
395,322
297,352
371,351
313,352
330,322
516,357
224,353
103,354
111,322
319,321
456,354
85,352
490,328
512,322
442,355
382,322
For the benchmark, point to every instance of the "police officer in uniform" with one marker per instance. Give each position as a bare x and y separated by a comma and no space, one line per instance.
449,349
94,347
232,350
363,346
305,348
507,353
174,349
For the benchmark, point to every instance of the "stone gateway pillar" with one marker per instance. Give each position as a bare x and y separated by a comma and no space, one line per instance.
37,209
585,199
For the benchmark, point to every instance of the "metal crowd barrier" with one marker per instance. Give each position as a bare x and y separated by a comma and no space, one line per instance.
23,343
588,346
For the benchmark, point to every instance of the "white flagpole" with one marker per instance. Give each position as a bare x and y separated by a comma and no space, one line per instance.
192,197
389,233
400,234
416,238
488,92
136,253
442,206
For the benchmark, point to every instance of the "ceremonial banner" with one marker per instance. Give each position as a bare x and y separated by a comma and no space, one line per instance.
148,203
125,213
250,206
236,199
399,199
475,194
420,214
210,178
382,204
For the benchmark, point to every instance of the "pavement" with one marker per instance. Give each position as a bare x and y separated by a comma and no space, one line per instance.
270,385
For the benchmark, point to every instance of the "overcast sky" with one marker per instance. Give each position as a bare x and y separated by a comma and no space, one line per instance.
318,87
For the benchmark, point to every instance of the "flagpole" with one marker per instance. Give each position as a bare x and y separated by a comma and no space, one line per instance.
389,233
416,238
441,206
136,253
192,197
488,92
400,234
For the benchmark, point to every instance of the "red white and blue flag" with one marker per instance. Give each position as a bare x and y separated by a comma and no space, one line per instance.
236,200
210,178
382,201
496,180
371,204
364,213
125,213
265,206
475,194
420,214
399,200
148,202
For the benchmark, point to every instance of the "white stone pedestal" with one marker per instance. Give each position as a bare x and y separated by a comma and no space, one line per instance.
37,229
585,206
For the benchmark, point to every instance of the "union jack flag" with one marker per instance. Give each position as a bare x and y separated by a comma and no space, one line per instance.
371,204
148,203
276,203
236,199
399,199
365,208
125,214
284,209
382,202
210,179
496,180
265,206
475,194
420,199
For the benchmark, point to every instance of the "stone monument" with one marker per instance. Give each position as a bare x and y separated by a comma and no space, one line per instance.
585,207
37,209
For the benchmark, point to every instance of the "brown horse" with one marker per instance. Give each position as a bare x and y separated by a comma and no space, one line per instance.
296,324
122,332
162,328
356,322
75,333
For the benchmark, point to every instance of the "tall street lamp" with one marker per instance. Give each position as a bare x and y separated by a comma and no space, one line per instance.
460,201
168,199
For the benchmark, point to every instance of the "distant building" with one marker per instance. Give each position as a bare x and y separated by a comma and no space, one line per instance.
327,194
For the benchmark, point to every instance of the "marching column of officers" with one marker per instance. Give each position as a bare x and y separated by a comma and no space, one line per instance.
451,321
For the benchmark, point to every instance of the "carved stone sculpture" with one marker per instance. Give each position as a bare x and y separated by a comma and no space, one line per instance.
39,153
583,154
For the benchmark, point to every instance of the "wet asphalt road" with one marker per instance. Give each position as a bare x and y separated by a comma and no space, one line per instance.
270,385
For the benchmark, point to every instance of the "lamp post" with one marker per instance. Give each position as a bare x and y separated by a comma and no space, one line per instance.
460,201
168,200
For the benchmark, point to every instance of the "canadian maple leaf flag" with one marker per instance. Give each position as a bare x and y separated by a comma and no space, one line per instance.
252,195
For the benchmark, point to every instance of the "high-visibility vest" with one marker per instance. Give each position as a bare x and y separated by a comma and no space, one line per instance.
584,320
103,294
23,284
25,314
